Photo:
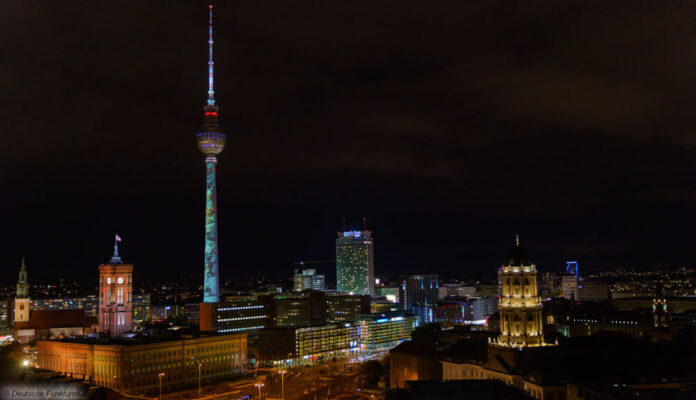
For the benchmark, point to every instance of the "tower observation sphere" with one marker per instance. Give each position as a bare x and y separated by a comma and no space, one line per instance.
210,141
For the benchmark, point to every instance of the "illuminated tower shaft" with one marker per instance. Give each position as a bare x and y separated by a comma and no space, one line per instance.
211,285
211,142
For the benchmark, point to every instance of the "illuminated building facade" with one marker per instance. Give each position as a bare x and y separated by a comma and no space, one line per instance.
134,365
380,331
390,293
519,305
22,301
445,313
588,323
306,345
115,296
245,314
383,306
418,290
341,307
355,262
308,279
54,324
483,308
211,142
141,307
4,313
295,309
593,291
569,281
458,290
660,310
90,304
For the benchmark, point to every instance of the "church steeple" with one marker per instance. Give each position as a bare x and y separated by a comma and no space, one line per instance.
22,286
22,302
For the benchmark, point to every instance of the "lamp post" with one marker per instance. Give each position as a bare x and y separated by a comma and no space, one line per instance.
199,379
161,374
259,385
282,383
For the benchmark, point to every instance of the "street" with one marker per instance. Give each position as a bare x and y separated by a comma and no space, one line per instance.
307,383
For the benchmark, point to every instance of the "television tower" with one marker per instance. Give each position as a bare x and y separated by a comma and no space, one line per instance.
211,141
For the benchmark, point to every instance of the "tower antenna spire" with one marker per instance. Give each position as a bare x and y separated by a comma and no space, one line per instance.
211,92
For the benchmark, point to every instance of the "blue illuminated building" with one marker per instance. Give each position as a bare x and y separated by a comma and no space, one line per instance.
569,281
418,290
572,268
211,142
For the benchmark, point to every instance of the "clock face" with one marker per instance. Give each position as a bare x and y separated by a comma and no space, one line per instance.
108,281
119,280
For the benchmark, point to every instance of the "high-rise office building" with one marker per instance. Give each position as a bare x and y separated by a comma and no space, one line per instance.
308,279
569,281
418,290
519,306
355,262
211,141
22,300
115,295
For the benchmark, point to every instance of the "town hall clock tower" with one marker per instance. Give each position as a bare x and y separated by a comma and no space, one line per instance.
115,295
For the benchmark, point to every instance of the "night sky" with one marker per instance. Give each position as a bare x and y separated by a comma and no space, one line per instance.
451,126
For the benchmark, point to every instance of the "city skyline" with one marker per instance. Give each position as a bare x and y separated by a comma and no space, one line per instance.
448,153
417,201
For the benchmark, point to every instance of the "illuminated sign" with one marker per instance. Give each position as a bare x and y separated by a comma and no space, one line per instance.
572,268
352,234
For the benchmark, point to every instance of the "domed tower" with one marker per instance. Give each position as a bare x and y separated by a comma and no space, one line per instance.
211,141
519,304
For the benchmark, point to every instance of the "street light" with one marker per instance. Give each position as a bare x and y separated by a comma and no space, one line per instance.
282,383
161,374
199,379
259,385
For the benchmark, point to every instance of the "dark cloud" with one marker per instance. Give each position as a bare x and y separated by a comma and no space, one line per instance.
451,125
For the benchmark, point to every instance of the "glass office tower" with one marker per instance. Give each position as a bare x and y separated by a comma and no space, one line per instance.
355,271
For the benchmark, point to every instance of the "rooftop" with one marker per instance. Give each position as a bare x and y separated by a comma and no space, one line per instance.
132,339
